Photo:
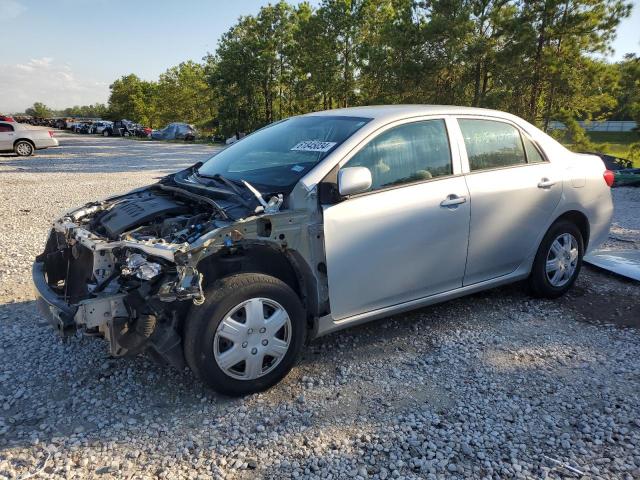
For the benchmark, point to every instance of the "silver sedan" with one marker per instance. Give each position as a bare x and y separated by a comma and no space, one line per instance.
24,140
317,223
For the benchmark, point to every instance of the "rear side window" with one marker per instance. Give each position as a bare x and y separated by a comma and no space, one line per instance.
6,127
491,144
405,154
533,154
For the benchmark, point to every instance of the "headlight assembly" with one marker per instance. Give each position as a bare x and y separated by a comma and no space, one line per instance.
138,266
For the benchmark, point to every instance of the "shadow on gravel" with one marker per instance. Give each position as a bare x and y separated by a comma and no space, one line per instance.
618,304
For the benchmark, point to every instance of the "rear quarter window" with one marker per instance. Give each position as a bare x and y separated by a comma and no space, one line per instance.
533,154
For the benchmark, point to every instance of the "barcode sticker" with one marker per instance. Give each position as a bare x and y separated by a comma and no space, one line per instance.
313,146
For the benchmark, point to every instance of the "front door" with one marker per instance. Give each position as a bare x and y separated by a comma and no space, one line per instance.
514,191
406,238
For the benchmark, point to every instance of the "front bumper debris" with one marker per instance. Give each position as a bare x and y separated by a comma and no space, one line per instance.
93,313
98,291
60,314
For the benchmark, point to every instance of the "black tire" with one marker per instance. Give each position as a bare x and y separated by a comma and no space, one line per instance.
106,133
539,283
221,298
23,148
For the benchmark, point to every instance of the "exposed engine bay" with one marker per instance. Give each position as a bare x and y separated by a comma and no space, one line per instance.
131,267
157,216
125,268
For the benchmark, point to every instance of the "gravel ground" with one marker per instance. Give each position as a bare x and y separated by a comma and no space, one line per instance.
495,385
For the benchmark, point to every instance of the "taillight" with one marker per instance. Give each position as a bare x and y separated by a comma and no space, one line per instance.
50,133
608,177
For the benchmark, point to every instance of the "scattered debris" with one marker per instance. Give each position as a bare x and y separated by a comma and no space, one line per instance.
621,262
580,473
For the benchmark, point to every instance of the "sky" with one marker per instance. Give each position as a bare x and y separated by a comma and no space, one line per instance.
67,52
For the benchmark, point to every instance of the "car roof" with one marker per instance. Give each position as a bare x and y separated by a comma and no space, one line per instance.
393,112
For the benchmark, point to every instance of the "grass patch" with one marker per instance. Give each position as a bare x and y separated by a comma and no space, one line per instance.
620,138
612,143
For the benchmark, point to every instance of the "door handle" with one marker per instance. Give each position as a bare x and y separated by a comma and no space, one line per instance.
546,183
452,200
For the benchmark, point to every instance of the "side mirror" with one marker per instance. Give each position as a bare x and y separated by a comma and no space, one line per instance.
353,180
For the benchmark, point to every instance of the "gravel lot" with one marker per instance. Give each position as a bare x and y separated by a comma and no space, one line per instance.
495,385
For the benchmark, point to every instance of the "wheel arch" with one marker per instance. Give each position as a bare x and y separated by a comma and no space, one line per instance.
285,265
580,220
28,140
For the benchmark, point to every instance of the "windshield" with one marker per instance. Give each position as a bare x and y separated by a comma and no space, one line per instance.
277,156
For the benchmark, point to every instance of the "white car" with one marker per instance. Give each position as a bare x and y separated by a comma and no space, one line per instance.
24,140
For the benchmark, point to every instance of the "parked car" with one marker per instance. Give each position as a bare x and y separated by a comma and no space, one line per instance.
120,128
624,174
141,131
71,124
23,139
99,126
613,163
318,223
60,123
175,131
5,118
84,127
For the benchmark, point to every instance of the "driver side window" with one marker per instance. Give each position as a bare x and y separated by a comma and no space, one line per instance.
405,154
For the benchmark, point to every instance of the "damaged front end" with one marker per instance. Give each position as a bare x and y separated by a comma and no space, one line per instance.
121,268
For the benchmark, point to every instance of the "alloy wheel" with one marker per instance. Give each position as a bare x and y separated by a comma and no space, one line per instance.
24,149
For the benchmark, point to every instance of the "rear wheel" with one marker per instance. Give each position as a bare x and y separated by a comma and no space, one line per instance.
247,335
22,148
106,133
558,260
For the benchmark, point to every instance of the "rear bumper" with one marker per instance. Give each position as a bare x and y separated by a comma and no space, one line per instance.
46,143
59,313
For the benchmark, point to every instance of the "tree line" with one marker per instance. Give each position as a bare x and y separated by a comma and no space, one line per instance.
539,59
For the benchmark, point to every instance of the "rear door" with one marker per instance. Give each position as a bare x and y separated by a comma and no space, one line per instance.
513,189
406,238
7,136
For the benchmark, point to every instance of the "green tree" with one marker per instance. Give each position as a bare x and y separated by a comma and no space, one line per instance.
628,92
561,33
97,110
232,76
133,99
252,72
39,109
184,93
533,58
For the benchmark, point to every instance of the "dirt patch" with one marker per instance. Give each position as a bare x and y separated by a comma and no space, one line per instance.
605,299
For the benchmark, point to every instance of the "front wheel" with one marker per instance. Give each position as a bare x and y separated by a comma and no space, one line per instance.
558,261
23,148
106,133
247,335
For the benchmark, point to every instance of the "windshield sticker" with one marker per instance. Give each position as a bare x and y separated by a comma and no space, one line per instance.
297,168
313,146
